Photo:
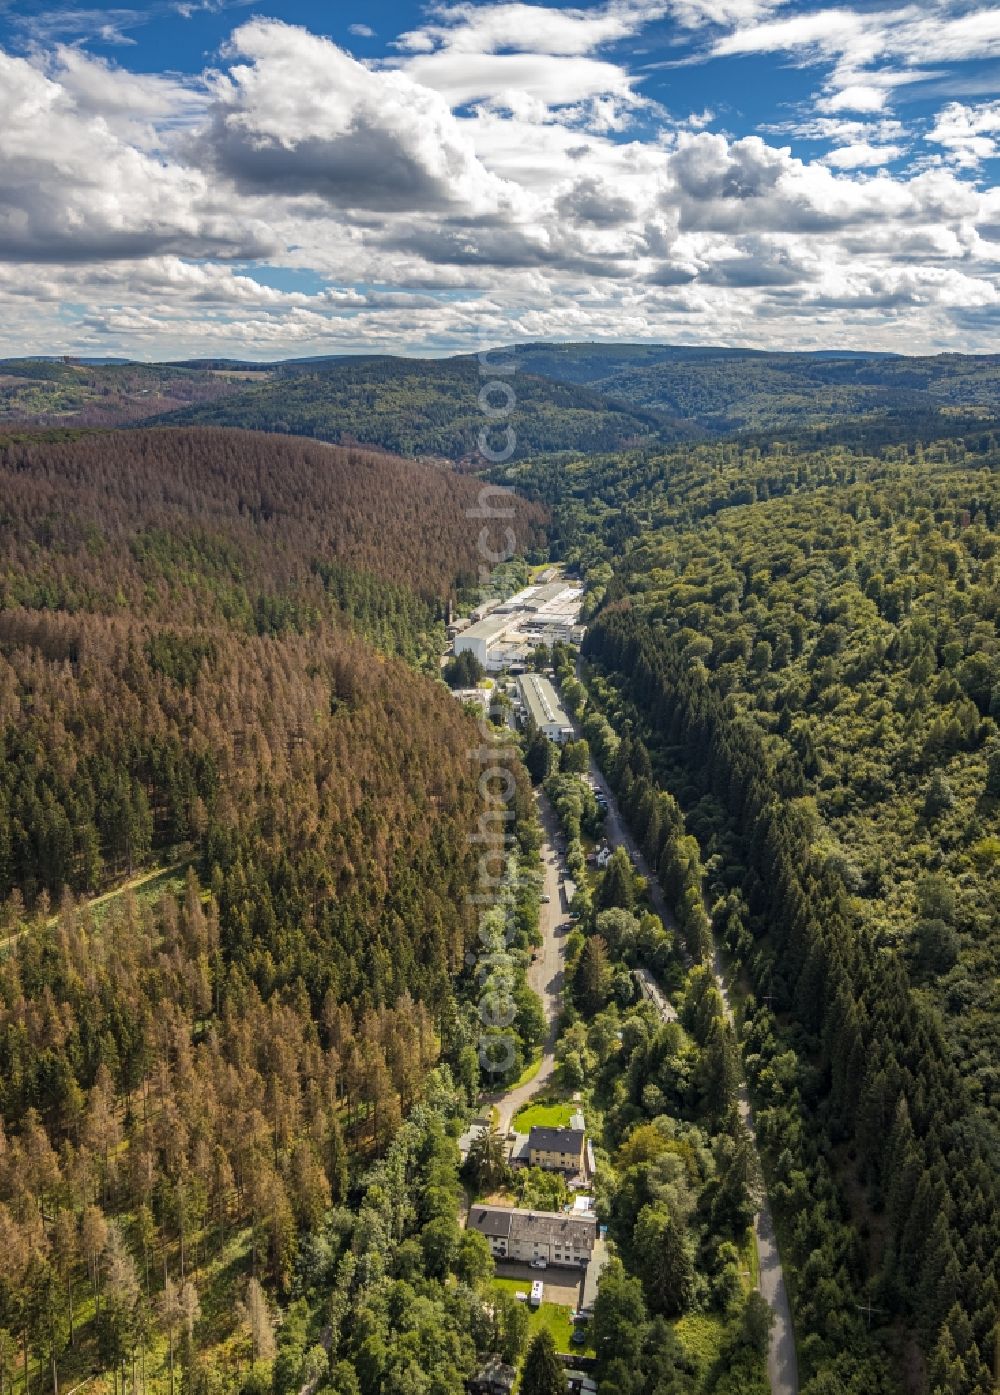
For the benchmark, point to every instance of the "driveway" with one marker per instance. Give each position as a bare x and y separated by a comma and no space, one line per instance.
598,1261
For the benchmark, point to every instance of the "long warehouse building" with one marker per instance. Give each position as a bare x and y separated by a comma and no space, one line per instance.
545,707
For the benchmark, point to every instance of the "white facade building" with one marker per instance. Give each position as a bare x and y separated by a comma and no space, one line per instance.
504,633
544,706
479,638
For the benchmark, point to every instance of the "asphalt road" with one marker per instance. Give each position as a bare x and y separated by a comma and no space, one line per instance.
782,1364
546,976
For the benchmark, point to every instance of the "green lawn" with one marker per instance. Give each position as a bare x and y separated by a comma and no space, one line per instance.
552,1317
550,1114
556,1319
512,1285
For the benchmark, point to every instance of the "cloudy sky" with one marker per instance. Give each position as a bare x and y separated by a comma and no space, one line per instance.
216,177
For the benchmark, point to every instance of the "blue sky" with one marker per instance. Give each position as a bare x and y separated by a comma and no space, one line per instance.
210,176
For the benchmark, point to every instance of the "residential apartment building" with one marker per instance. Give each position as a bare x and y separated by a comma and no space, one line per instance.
556,1237
558,1150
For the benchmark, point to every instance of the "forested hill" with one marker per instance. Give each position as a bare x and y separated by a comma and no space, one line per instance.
719,391
190,1080
804,647
567,397
429,408
108,521
155,585
50,392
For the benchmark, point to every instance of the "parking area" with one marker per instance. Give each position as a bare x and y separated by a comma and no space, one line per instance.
562,1286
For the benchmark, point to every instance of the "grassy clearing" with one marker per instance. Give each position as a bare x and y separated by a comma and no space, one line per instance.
147,889
750,1261
544,1114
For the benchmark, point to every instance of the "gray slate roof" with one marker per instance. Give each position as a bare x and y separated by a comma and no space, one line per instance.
491,1220
554,1227
556,1140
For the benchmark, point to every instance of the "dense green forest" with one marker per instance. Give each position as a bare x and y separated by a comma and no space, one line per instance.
725,390
190,1081
429,408
803,648
678,1178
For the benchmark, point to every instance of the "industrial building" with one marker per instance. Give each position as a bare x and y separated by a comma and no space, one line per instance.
506,632
544,706
478,638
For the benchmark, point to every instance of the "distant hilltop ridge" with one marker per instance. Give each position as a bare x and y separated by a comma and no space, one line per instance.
627,348
587,398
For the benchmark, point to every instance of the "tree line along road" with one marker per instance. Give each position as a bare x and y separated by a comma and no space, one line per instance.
546,976
782,1363
546,973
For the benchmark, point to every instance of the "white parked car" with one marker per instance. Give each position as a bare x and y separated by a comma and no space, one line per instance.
539,1264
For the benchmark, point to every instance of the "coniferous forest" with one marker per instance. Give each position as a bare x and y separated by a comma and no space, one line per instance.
500,697
802,647
204,640
238,1030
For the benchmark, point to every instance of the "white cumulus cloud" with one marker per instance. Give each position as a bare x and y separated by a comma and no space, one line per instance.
295,115
503,172
969,135
72,189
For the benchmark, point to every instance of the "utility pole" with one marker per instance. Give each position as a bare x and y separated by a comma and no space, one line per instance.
869,1308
